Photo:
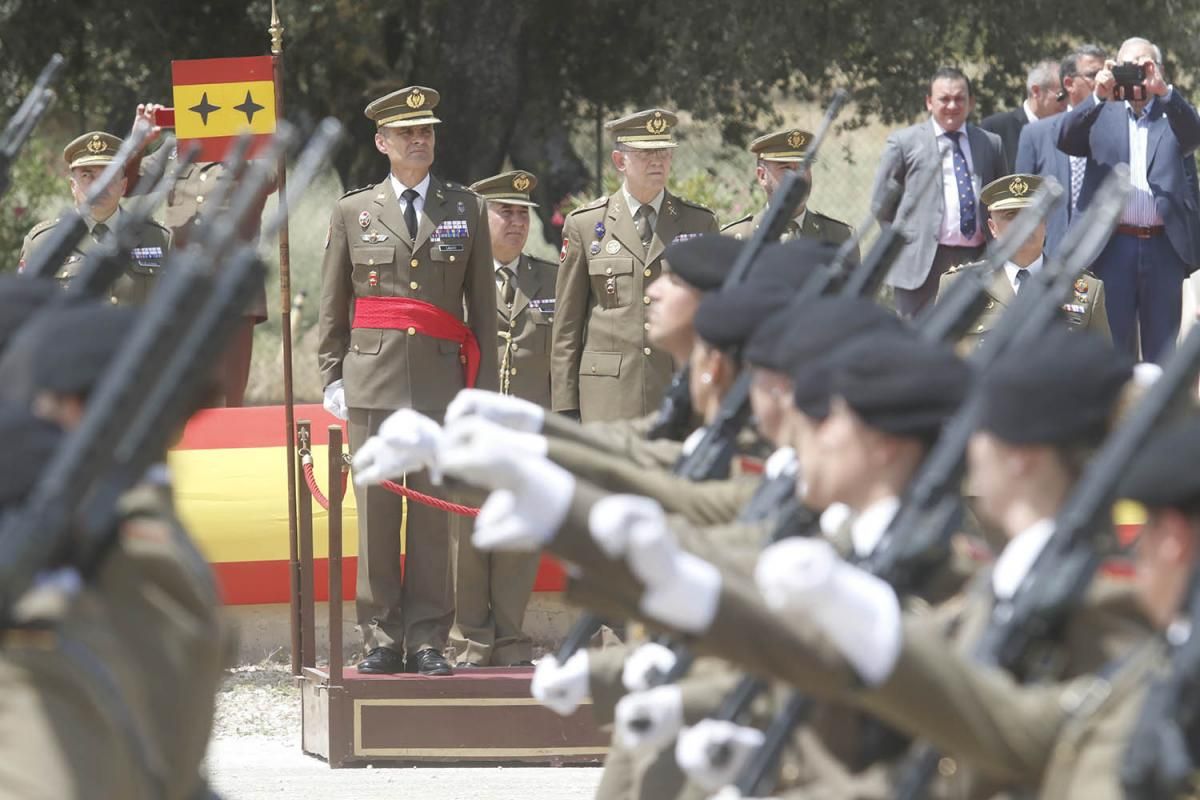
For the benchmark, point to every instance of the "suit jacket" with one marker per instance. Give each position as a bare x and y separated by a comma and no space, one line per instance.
369,253
523,345
1038,154
1007,125
1100,132
602,363
911,157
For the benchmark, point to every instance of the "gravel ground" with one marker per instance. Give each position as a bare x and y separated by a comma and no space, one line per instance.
255,755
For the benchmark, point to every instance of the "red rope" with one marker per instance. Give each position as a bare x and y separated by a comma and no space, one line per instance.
424,499
311,479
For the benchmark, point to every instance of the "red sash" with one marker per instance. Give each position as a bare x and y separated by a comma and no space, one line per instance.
417,316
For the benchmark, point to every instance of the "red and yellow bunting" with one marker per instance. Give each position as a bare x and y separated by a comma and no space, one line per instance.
216,99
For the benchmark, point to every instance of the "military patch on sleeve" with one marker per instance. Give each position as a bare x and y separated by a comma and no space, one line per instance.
562,254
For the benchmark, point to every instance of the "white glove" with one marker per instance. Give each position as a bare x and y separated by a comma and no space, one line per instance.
335,400
858,612
682,590
649,719
407,441
649,661
530,495
714,752
613,519
561,689
505,410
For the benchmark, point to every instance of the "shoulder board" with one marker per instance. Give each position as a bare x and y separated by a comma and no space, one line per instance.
599,202
539,262
962,267
1087,273
827,218
163,229
746,218
451,186
42,227
359,189
693,204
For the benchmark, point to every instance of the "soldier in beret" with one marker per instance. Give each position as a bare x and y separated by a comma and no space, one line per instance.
86,158
492,590
603,366
1004,198
779,153
408,318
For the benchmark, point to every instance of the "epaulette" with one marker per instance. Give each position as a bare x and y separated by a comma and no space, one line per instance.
960,267
458,187
599,202
541,262
356,191
828,218
746,218
42,227
694,204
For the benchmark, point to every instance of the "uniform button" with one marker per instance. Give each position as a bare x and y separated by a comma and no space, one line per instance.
608,271
593,369
452,258
199,198
646,301
414,263
947,767
356,348
646,350
512,323
647,273
646,325
516,347
370,262
512,371
203,176
412,331
508,306
113,300
979,329
414,286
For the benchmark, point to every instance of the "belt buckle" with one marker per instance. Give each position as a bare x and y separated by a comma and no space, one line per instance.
1143,232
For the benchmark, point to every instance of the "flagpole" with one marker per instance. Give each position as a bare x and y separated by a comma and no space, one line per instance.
285,332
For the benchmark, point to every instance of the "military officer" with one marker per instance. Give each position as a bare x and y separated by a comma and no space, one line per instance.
87,157
603,366
408,318
779,153
491,590
1004,199
188,204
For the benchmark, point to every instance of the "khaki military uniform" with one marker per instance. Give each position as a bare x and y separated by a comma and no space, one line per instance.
813,225
143,262
602,363
370,253
1084,310
492,590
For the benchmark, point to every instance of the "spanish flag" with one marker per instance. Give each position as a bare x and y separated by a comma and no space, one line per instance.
218,98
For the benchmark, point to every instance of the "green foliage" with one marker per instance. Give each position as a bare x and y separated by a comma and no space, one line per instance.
35,193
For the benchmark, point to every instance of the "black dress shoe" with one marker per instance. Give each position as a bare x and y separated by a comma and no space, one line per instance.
429,662
469,665
382,661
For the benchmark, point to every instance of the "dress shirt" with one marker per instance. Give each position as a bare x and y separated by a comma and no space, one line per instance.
1140,208
868,528
950,233
422,190
1018,558
1010,269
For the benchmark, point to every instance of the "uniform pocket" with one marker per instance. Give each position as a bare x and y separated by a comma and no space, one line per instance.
599,365
612,280
374,270
366,341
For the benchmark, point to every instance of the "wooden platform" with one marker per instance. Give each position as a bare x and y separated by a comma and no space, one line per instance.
479,715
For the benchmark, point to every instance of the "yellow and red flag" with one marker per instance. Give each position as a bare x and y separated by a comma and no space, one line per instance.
216,99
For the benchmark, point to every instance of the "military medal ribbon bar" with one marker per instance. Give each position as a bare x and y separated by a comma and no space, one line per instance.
216,99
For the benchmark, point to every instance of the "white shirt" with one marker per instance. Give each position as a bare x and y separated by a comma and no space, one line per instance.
510,266
951,233
1029,115
871,524
780,462
1140,208
834,517
1018,558
634,204
1010,269
422,190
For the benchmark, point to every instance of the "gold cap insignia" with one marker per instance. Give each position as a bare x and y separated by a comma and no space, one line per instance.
656,124
95,145
415,99
795,139
1018,187
521,183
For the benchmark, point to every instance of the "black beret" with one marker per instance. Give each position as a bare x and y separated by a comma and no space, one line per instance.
900,384
20,298
788,339
1165,473
64,349
704,261
1060,389
791,263
727,318
29,443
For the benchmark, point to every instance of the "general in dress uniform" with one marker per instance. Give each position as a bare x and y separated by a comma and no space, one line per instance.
603,365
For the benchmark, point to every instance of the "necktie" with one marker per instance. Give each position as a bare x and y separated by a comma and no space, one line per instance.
99,231
644,219
507,290
1078,166
1022,274
410,211
966,189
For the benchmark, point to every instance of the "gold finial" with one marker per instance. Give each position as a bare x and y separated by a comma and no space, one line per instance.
276,31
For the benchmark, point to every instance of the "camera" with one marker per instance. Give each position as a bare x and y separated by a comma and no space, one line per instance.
1129,79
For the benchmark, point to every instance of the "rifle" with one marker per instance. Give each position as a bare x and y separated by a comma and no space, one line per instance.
1159,762
675,413
71,228
20,127
69,515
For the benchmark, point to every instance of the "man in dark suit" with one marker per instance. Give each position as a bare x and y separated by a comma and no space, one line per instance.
944,228
1157,243
1042,101
1038,153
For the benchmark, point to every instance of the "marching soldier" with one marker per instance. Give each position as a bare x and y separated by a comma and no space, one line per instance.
87,157
603,366
1004,199
778,154
491,590
408,318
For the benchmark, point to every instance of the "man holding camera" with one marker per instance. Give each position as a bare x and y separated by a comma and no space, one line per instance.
1135,117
